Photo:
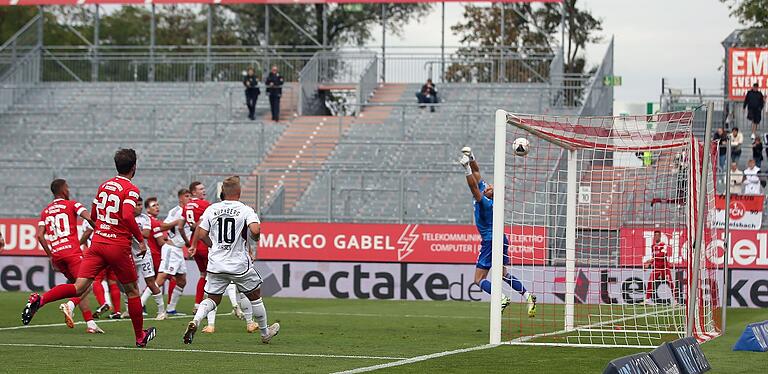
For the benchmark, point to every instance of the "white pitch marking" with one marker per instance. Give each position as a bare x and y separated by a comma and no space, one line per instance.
100,322
412,360
249,353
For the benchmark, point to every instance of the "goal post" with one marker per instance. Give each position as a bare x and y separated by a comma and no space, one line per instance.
610,227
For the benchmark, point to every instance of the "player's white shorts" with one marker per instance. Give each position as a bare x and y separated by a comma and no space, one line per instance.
172,260
216,284
145,268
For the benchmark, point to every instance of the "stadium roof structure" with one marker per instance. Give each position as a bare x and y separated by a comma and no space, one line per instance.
272,2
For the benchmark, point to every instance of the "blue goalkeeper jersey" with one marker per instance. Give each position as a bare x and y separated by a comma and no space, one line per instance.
484,214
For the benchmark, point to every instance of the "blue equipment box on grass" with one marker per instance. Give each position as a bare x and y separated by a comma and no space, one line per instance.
754,338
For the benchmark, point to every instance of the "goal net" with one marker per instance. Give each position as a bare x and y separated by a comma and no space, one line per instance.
624,208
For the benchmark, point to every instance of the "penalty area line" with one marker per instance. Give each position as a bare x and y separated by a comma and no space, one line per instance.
412,360
310,355
101,321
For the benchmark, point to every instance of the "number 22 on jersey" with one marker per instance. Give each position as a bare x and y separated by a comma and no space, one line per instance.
107,207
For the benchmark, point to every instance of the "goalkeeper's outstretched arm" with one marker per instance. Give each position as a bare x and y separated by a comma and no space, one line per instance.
472,172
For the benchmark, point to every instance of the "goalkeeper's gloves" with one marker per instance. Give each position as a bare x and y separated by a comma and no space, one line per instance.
464,161
468,152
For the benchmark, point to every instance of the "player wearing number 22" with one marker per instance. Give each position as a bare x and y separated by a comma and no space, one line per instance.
482,193
114,229
57,234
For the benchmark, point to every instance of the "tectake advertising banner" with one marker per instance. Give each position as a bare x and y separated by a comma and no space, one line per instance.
746,66
749,248
453,244
403,281
745,212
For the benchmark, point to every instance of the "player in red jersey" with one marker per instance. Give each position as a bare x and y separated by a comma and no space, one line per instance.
57,234
115,226
661,267
192,213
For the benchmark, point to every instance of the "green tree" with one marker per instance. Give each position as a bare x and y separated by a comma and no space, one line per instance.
750,13
530,29
346,24
13,18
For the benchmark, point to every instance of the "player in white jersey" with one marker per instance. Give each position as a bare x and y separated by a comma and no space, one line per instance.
172,261
143,261
225,227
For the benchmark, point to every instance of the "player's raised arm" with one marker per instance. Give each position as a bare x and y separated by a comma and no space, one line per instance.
472,163
472,181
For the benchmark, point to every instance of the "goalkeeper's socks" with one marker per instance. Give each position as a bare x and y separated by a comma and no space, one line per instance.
261,315
485,285
515,283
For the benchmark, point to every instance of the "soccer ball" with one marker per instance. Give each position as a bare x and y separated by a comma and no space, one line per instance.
521,146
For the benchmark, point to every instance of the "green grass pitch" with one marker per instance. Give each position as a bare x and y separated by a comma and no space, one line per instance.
318,336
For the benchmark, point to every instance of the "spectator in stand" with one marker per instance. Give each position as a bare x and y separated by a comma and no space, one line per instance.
2,242
274,85
737,139
751,180
252,92
754,103
427,95
737,180
757,152
722,147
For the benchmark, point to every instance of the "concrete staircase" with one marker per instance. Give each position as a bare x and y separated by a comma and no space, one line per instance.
304,147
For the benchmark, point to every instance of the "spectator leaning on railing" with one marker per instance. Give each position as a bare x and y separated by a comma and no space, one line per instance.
722,147
737,180
751,180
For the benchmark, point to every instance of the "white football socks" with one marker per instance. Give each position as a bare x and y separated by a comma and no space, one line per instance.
260,313
246,307
145,296
71,306
206,306
160,301
175,296
232,294
211,318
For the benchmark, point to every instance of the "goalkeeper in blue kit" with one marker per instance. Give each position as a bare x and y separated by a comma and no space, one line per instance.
482,192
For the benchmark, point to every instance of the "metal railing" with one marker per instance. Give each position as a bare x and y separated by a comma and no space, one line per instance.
20,62
368,82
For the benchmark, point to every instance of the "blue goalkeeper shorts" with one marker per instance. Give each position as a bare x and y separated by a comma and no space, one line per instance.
484,258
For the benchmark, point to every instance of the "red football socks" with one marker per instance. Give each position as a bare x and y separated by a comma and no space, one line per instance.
171,287
137,318
114,294
200,291
62,291
98,291
87,315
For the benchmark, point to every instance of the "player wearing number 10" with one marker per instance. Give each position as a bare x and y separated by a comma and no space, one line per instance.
114,229
225,227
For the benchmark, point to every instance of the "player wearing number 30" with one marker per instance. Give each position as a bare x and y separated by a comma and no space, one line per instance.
482,192
114,228
224,227
57,234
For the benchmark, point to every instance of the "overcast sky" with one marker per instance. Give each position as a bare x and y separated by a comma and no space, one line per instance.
674,39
